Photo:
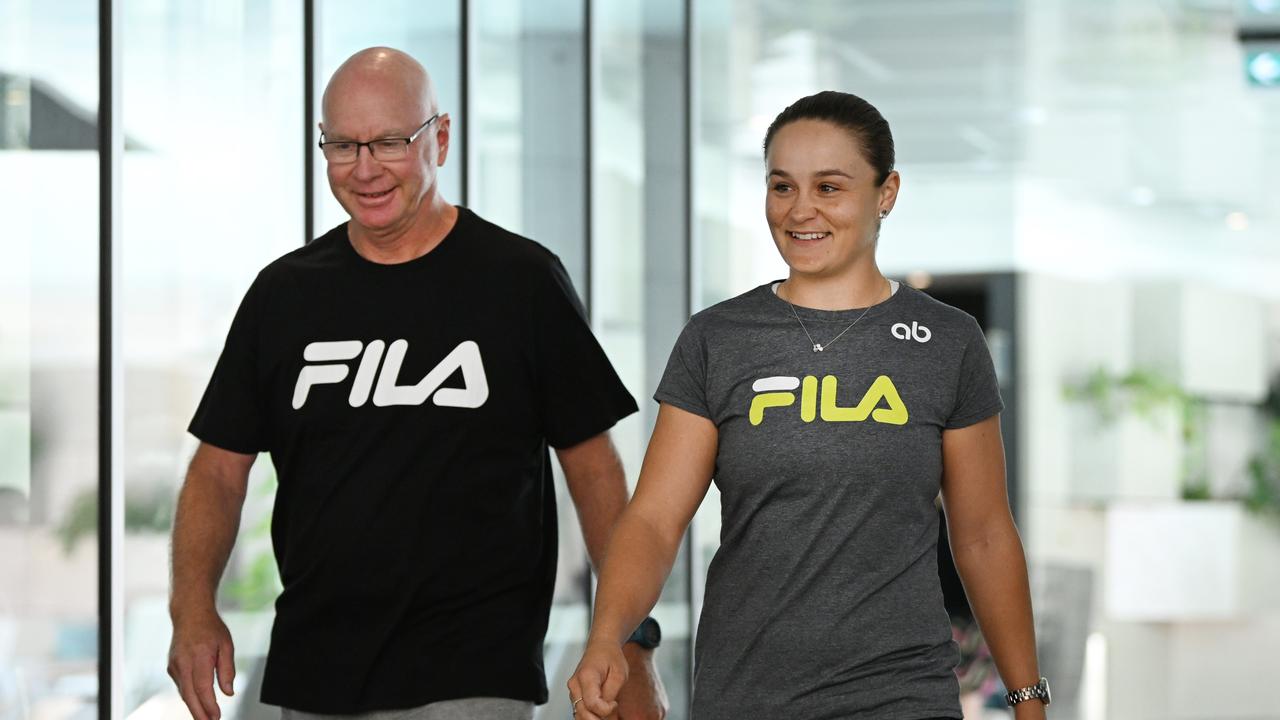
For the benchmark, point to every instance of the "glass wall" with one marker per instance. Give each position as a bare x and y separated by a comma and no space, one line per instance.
212,192
48,358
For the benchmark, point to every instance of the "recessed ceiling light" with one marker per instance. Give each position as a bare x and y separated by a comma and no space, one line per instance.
1237,221
1264,68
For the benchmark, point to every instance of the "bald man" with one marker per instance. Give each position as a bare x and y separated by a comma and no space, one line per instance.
408,371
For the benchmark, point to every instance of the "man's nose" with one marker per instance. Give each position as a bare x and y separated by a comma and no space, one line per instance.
366,167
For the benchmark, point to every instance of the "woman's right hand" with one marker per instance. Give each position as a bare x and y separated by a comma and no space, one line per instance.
600,675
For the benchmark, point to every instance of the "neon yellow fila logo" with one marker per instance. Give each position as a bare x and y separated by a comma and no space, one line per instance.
466,356
776,392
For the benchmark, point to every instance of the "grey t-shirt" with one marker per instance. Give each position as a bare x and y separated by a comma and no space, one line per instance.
823,600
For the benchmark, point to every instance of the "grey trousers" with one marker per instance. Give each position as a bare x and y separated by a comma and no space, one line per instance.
464,709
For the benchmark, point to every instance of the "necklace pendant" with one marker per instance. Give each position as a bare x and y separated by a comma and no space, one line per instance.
817,347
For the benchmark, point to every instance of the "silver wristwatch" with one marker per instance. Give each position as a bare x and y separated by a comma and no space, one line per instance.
1039,691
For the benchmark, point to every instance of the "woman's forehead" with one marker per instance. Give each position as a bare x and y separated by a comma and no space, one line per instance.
813,147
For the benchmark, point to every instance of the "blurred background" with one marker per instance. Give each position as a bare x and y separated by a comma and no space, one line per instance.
1094,180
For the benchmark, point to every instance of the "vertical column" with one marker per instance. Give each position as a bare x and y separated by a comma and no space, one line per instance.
110,370
464,101
308,120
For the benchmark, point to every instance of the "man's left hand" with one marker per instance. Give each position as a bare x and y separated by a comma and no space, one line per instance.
642,697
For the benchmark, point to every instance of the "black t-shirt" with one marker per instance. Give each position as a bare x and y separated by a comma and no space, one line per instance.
408,410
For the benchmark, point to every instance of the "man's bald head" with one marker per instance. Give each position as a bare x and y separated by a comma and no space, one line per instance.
381,94
379,73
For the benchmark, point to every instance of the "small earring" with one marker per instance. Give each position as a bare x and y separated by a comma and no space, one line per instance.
884,214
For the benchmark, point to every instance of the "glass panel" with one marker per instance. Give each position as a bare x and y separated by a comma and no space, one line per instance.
429,35
528,174
48,359
212,192
527,94
638,247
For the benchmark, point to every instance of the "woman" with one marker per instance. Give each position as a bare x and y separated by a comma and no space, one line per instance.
830,409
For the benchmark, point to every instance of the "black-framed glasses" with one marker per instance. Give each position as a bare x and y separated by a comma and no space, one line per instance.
343,152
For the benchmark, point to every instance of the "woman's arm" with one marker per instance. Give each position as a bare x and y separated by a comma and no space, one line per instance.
673,480
988,552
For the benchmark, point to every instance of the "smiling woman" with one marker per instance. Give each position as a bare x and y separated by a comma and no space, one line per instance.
831,182
825,220
828,513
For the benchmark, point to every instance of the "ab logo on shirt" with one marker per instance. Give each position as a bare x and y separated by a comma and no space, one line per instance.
466,356
775,392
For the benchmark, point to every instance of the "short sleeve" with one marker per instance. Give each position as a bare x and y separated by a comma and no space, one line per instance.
684,382
579,391
977,391
232,413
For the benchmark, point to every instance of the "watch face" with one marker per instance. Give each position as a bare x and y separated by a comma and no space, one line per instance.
652,634
1044,685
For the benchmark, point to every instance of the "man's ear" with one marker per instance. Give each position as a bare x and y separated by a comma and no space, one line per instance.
442,138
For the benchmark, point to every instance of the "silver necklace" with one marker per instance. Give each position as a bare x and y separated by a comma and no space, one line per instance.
817,346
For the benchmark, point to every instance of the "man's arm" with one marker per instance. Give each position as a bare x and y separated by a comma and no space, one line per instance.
204,531
989,554
597,483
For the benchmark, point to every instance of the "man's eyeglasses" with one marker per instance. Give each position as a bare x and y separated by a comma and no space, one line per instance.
342,152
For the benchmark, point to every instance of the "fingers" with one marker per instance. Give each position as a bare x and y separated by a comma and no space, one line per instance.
613,683
201,646
575,699
180,671
597,683
227,666
585,687
202,676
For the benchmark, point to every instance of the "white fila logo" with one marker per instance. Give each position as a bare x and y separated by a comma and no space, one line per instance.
387,392
917,332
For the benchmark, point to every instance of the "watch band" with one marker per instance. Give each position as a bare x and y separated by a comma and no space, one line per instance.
1039,691
648,635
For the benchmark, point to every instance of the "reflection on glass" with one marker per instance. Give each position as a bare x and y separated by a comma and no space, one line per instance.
48,360
200,217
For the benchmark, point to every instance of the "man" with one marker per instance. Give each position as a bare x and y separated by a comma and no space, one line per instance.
406,371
